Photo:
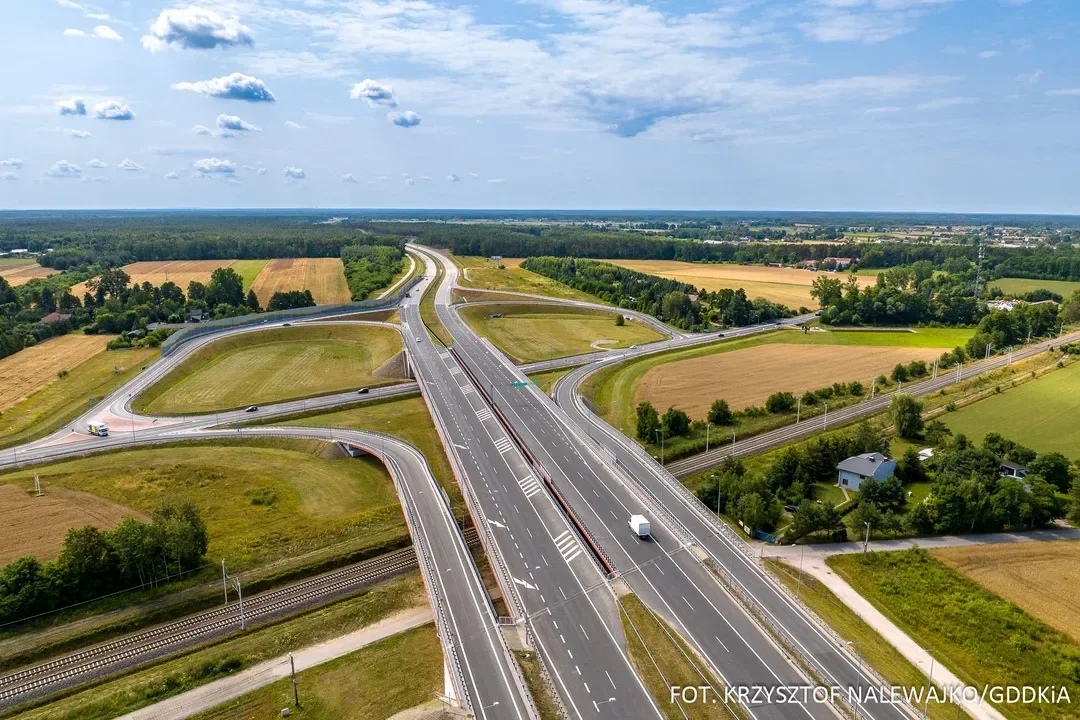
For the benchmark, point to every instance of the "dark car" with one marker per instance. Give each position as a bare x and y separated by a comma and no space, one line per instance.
252,408
362,391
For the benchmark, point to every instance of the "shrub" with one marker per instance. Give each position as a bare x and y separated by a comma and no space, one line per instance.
780,402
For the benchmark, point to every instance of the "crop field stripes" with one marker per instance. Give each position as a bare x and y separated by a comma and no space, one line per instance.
530,485
70,670
568,546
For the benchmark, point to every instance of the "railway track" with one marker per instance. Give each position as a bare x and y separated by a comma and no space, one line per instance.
73,669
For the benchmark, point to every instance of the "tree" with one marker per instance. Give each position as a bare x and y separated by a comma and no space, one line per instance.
905,413
676,422
290,299
865,512
780,402
909,468
620,320
899,374
648,422
1074,497
252,301
112,282
720,413
888,494
827,291
86,561
1070,311
183,533
226,286
1055,469
196,291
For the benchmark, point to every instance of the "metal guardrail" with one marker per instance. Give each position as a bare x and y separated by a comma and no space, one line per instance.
319,311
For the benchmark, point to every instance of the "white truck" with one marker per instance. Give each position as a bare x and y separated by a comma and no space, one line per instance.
97,427
640,525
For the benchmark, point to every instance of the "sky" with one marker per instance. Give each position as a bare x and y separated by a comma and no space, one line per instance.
876,105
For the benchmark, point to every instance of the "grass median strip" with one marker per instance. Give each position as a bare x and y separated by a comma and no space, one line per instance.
143,687
664,661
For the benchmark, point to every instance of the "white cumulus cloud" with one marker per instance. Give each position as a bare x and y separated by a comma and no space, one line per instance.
349,178
130,165
375,92
71,106
295,125
99,179
104,32
62,169
405,119
201,130
172,175
78,134
233,124
195,28
214,166
453,178
11,163
294,172
8,176
113,110
236,86
261,171
72,32
95,163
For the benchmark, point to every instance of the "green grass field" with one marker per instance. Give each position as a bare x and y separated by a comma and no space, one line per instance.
404,418
528,333
66,398
983,639
1019,286
316,502
271,366
365,685
483,274
128,693
876,651
248,270
1043,414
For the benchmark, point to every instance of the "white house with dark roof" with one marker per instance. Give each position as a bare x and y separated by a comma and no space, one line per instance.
853,471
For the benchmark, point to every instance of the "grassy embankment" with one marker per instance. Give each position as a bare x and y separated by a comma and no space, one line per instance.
275,509
529,333
875,650
65,398
662,660
613,389
368,684
982,638
482,274
140,688
271,366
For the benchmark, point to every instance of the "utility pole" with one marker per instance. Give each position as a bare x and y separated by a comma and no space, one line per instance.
660,433
224,581
798,411
935,370
826,423
708,426
295,692
866,540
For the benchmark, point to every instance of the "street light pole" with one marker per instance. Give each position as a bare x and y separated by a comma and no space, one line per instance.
858,680
798,411
660,433
926,705
866,541
826,424
708,426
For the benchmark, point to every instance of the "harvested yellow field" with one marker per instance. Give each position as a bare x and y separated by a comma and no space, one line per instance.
1040,577
787,286
37,525
747,377
19,273
29,370
183,272
324,277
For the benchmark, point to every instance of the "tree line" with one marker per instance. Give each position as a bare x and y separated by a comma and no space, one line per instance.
676,303
372,266
95,562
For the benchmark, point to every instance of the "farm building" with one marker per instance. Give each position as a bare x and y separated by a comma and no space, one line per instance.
853,471
1012,470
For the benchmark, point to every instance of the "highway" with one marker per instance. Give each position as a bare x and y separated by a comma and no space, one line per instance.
484,676
545,570
664,572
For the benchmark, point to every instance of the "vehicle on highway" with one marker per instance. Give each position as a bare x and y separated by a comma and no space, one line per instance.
633,347
252,408
362,391
286,324
640,525
97,427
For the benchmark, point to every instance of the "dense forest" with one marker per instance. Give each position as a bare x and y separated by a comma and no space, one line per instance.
676,303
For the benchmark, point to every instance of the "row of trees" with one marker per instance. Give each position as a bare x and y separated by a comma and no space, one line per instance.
95,562
676,303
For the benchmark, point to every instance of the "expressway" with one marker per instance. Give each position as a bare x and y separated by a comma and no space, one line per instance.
665,572
545,569
483,677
